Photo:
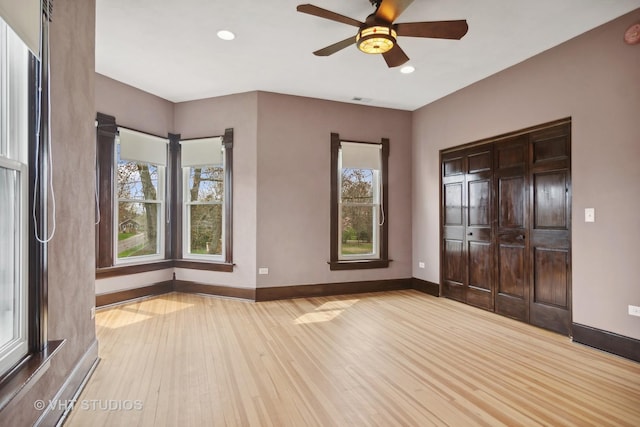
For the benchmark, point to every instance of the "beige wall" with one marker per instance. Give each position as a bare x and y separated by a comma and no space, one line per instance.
133,108
281,180
71,252
593,79
294,186
211,117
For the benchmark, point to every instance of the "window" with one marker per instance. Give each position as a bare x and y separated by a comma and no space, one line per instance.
14,219
203,178
140,187
358,204
162,203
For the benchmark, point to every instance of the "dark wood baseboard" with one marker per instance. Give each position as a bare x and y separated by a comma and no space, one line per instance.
222,291
426,287
343,288
269,294
620,345
129,294
70,390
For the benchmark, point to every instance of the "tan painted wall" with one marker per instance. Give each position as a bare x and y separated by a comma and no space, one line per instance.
594,79
133,108
209,117
294,186
71,252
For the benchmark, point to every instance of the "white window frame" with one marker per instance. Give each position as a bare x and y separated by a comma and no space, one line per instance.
374,205
186,204
14,131
160,201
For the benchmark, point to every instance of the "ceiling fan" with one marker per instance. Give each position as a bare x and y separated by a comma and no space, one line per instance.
378,33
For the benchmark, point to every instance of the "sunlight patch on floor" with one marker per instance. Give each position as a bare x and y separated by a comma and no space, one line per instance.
326,312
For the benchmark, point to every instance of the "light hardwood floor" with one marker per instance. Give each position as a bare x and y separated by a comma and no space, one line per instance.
384,359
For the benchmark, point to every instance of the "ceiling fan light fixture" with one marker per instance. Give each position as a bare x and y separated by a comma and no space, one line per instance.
376,39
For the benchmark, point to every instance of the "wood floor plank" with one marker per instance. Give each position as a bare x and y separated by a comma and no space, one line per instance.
395,358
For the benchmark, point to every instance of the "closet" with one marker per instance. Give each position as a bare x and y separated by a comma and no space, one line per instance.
506,225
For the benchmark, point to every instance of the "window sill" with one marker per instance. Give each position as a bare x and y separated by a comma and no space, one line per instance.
26,374
203,265
122,270
360,264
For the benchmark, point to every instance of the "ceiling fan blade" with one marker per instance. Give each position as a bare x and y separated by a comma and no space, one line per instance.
330,50
395,57
389,10
437,29
327,14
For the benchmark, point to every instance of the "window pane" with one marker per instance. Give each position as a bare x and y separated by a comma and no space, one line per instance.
9,255
138,229
358,230
137,181
357,186
206,184
206,229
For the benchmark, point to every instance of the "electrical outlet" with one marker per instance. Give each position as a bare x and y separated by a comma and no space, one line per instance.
589,215
634,310
93,312
421,264
263,270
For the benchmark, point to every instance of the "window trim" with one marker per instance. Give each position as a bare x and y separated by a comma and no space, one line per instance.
162,209
186,206
106,128
40,349
335,261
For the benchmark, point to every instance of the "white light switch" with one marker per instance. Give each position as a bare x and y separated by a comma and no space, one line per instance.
589,215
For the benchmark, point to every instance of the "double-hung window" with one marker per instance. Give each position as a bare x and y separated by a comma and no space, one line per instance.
162,202
359,204
14,129
203,193
140,191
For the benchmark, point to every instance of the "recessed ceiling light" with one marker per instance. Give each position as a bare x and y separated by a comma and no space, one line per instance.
226,35
407,69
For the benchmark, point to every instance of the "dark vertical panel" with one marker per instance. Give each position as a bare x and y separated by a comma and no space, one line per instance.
453,204
105,159
228,194
479,203
454,261
511,277
479,268
384,232
38,267
173,229
550,192
512,201
335,147
550,280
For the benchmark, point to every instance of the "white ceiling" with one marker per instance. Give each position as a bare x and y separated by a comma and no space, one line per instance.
169,47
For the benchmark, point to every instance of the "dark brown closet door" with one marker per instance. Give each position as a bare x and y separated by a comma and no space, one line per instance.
550,255
454,265
478,236
512,227
467,209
